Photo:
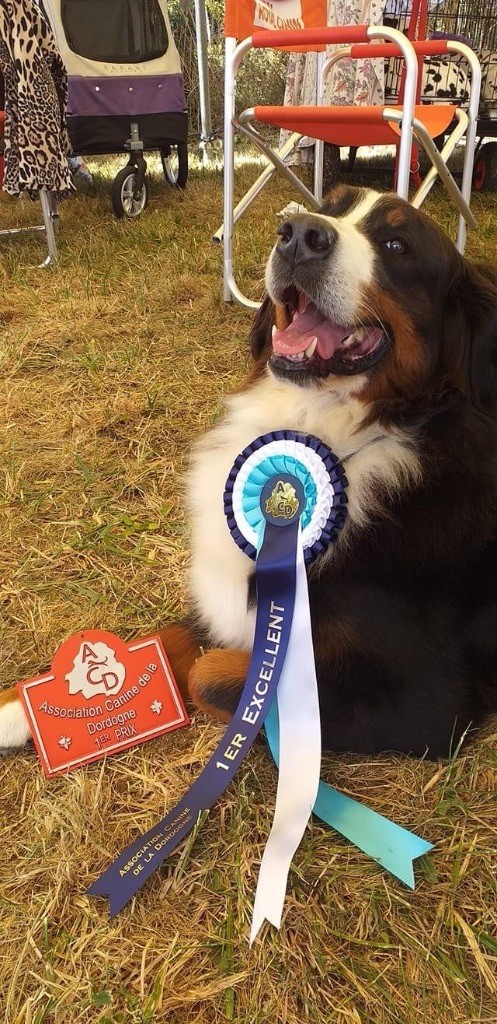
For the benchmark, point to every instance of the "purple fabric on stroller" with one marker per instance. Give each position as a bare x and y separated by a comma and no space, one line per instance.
94,97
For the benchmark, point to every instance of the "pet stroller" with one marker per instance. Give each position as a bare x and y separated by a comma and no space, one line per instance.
125,89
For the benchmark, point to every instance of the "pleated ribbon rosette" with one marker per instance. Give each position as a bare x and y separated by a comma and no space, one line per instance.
288,489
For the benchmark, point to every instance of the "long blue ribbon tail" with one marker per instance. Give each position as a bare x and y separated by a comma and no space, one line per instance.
392,846
275,576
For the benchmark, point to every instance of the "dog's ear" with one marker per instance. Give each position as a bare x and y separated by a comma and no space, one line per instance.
261,330
470,330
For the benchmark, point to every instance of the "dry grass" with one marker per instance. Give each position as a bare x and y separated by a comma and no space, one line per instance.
110,365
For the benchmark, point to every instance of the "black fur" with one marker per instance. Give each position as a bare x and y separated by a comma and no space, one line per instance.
405,618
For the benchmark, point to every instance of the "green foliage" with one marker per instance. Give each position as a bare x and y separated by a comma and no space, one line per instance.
262,76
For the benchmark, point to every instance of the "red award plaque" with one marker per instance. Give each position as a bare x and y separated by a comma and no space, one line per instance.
101,696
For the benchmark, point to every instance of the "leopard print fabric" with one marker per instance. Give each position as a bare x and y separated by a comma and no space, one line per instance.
36,141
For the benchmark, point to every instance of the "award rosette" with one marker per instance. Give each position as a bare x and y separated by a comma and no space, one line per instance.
286,493
285,502
285,478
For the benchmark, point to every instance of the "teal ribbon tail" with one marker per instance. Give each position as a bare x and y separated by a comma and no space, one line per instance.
392,846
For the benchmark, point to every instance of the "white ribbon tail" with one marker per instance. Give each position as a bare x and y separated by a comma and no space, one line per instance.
299,759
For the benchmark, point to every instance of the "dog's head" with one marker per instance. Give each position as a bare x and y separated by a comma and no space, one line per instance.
372,292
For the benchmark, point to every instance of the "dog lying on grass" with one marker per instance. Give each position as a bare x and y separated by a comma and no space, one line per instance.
380,339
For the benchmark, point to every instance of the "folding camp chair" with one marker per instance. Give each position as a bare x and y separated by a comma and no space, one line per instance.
352,126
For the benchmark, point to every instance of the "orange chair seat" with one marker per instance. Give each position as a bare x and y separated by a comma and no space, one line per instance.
354,126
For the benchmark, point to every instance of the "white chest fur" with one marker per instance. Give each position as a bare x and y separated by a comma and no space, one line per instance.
375,458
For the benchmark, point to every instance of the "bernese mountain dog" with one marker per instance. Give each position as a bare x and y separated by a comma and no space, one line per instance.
379,338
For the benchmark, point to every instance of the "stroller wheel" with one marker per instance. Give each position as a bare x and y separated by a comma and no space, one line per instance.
174,158
125,201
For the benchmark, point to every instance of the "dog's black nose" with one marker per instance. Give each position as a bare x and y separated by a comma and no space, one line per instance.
305,238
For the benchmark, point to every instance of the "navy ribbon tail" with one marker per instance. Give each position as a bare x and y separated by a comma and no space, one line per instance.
275,578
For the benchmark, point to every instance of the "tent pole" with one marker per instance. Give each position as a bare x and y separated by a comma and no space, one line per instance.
203,78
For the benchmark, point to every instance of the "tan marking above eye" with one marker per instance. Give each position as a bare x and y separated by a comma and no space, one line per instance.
339,192
395,218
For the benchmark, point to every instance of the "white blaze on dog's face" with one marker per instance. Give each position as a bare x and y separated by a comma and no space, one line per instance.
308,239
319,270
356,292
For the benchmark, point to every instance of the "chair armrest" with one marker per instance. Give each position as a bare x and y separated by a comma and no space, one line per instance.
309,37
423,47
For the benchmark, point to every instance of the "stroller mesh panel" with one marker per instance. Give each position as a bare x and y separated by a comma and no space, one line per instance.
117,31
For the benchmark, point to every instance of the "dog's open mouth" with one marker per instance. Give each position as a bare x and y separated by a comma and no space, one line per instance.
313,346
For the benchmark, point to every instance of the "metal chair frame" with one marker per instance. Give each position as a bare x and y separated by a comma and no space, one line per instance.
48,205
361,40
466,125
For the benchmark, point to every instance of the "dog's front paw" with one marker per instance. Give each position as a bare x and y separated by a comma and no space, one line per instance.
14,728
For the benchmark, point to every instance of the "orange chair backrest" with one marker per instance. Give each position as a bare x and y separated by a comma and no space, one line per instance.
242,17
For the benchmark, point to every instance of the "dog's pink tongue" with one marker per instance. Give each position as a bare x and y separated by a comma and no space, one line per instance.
304,327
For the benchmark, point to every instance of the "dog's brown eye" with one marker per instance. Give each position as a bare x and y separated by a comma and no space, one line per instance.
397,246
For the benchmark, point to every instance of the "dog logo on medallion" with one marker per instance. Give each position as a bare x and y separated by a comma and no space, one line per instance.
96,671
283,502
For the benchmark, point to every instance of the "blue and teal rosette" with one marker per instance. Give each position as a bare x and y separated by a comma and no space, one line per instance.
290,457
